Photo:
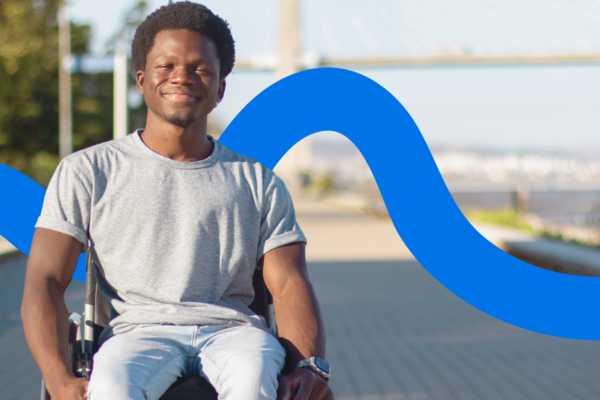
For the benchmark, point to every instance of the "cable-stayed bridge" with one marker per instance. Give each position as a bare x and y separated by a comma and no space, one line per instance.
290,35
356,32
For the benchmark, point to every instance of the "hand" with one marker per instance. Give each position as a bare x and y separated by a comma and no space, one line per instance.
74,389
303,384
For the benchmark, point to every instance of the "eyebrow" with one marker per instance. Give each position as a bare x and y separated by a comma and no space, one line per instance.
175,58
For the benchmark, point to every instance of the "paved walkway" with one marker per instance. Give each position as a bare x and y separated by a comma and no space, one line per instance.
336,234
20,378
394,333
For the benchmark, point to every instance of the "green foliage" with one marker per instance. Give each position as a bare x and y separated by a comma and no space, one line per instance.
508,217
559,236
29,90
29,120
324,184
92,109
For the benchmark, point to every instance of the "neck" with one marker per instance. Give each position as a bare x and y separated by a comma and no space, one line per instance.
180,144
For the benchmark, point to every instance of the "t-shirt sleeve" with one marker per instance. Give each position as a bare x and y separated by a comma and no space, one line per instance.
67,203
278,225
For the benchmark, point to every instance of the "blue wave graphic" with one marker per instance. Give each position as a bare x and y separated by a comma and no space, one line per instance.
21,203
419,203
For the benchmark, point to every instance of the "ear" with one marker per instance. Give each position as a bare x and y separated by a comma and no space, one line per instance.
139,78
221,91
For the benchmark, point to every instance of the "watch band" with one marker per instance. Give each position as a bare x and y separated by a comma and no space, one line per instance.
318,365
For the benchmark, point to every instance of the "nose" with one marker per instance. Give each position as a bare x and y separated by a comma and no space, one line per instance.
182,76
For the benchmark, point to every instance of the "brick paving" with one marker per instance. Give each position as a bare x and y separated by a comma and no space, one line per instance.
20,378
394,332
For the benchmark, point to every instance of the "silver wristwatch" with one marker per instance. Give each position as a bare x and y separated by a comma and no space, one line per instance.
318,365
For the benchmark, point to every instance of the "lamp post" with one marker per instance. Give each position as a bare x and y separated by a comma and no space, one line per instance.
120,95
65,141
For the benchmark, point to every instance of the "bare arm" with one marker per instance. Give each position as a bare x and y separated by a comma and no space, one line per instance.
52,260
299,322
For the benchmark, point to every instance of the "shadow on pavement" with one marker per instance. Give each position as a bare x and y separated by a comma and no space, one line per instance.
393,333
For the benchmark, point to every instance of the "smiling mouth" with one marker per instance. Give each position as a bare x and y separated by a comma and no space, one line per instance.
180,96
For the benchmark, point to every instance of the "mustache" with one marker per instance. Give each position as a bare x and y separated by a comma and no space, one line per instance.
181,92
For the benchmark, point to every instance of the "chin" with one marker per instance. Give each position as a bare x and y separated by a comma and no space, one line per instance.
180,120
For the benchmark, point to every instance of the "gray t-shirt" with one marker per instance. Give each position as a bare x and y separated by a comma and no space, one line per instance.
173,242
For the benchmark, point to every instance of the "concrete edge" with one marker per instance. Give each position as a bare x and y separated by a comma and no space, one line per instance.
7,250
553,262
566,258
10,254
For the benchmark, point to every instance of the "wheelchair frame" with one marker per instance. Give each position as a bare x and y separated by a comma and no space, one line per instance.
83,345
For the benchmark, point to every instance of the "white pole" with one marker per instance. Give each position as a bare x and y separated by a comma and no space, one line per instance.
120,95
65,142
289,38
298,159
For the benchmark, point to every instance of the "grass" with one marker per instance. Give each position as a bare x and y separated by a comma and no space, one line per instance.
507,217
558,236
510,218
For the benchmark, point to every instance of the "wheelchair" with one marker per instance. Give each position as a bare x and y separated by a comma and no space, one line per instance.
83,345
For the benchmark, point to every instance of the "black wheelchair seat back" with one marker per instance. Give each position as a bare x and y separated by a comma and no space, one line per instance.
97,311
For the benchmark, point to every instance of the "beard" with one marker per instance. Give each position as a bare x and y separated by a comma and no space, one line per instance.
178,120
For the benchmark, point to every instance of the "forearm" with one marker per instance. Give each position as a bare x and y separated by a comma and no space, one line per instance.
45,321
299,322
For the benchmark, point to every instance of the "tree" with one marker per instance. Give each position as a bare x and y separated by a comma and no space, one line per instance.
29,86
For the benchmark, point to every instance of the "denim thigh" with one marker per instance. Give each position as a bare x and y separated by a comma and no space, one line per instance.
142,363
241,362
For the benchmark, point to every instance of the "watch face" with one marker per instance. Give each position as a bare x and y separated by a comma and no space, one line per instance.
322,364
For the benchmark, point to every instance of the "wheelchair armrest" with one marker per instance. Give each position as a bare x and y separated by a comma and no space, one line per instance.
74,340
75,349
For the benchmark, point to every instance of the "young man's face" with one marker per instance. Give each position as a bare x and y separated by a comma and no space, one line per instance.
181,81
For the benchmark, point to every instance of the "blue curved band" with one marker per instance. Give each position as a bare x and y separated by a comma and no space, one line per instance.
419,203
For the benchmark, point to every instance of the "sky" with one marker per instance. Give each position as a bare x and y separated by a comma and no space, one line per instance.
552,107
509,108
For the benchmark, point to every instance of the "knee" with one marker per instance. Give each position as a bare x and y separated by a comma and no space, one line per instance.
132,380
114,378
257,362
112,384
250,377
245,366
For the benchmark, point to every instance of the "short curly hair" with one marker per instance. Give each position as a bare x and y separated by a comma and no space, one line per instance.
189,16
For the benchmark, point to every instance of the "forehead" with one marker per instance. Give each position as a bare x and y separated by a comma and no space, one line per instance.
182,43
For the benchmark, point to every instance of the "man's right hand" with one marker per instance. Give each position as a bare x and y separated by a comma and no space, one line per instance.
74,389
52,260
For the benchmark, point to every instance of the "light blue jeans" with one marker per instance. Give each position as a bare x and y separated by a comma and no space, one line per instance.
241,362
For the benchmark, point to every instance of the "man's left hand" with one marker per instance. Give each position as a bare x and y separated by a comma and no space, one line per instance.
303,384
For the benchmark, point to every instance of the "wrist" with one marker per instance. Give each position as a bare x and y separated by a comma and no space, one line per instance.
58,384
316,365
312,371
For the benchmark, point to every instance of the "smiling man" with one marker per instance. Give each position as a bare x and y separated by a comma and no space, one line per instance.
176,224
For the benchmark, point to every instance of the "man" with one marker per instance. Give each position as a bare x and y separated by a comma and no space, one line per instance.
176,224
